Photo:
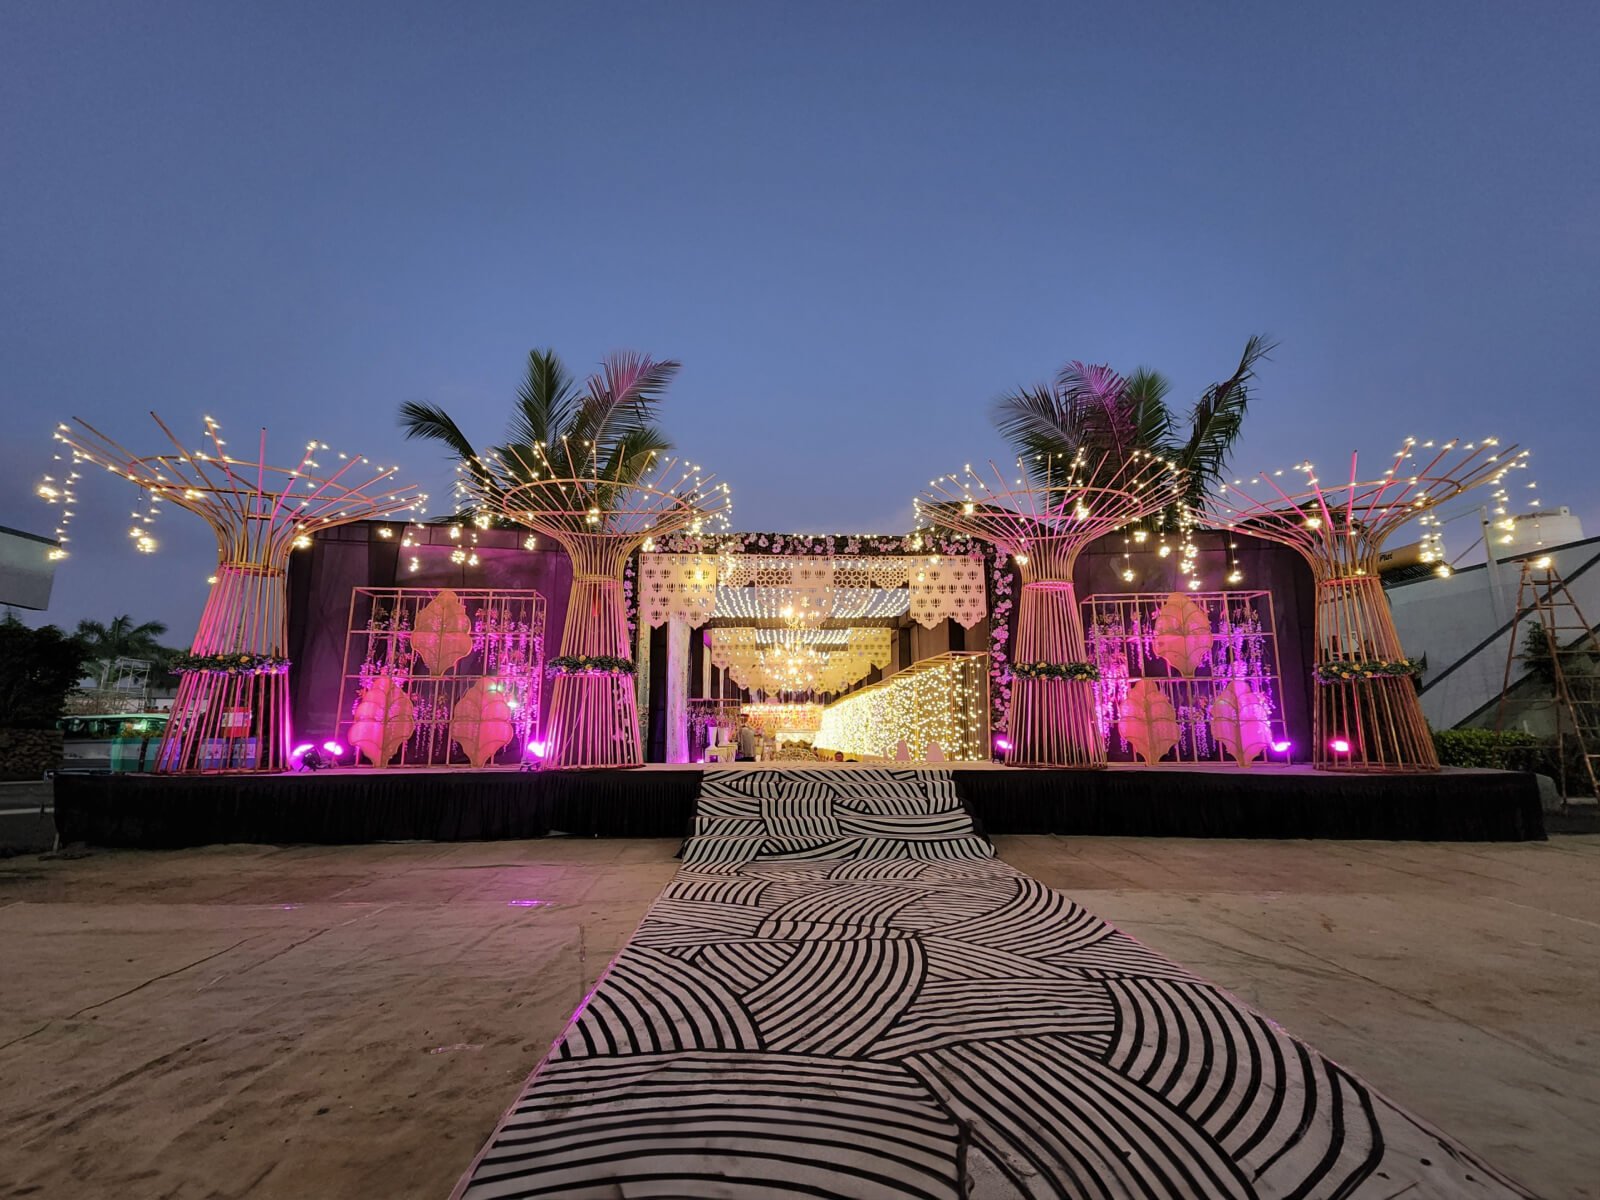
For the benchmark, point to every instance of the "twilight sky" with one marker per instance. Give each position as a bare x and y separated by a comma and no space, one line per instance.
854,224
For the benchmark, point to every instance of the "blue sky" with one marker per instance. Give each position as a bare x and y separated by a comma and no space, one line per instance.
854,224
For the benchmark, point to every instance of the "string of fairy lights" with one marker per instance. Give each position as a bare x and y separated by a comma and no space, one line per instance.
1173,535
182,478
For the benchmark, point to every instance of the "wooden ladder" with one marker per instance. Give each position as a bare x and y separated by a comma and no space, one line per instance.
1549,612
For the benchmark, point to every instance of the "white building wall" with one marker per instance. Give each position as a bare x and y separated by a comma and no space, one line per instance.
1449,620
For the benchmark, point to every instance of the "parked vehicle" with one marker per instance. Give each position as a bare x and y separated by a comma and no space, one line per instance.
111,741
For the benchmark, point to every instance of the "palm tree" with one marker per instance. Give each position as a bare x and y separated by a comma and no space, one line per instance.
1093,410
121,638
604,429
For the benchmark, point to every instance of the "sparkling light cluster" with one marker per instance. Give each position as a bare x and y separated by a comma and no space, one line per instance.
849,604
1344,521
938,701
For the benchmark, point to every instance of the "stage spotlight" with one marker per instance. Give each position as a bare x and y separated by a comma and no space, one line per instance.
1339,746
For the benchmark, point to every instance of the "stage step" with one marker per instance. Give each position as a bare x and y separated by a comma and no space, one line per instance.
745,816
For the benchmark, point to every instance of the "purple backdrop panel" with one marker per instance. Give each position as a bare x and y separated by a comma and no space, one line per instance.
322,577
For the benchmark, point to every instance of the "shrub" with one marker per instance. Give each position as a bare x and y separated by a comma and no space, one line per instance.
1503,750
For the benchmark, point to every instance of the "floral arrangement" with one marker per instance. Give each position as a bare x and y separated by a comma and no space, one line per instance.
584,664
1077,672
236,663
1000,576
801,544
630,599
1345,670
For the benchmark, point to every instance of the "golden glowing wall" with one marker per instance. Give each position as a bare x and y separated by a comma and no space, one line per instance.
939,700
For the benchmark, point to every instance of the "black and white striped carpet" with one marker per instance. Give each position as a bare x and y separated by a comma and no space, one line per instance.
843,994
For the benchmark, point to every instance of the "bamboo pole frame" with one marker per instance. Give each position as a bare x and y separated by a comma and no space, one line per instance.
1044,526
599,519
1366,722
230,718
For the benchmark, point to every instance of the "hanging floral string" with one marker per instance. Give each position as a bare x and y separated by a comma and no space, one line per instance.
1344,670
597,664
1077,672
230,664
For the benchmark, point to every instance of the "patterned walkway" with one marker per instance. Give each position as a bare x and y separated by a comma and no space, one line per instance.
843,994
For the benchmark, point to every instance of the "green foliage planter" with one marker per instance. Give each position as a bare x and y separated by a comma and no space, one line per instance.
1513,750
1508,750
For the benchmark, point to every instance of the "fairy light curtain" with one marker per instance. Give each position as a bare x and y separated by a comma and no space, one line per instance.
948,589
808,582
677,586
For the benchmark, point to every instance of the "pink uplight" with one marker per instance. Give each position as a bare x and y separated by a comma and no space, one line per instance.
333,748
537,749
301,750
1002,743
1339,746
1282,747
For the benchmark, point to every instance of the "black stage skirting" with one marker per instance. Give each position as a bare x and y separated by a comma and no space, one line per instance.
1451,806
342,807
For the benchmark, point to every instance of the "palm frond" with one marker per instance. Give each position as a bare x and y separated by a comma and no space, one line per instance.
1032,418
423,421
1217,419
1096,397
547,401
1145,394
620,398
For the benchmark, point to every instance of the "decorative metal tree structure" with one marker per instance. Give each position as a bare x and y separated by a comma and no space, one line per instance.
1367,716
1044,525
232,707
599,520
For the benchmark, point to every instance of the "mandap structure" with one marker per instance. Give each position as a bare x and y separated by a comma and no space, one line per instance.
1044,525
600,519
231,712
1366,713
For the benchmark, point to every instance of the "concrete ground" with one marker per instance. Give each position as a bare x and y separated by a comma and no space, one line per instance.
350,1021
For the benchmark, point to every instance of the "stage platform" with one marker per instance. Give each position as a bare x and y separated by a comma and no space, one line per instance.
336,807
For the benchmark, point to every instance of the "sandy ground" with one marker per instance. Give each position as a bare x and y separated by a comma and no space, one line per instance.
350,1021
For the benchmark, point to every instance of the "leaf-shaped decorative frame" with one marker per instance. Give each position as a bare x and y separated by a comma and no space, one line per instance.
481,723
1148,721
384,718
1241,721
1182,634
442,633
